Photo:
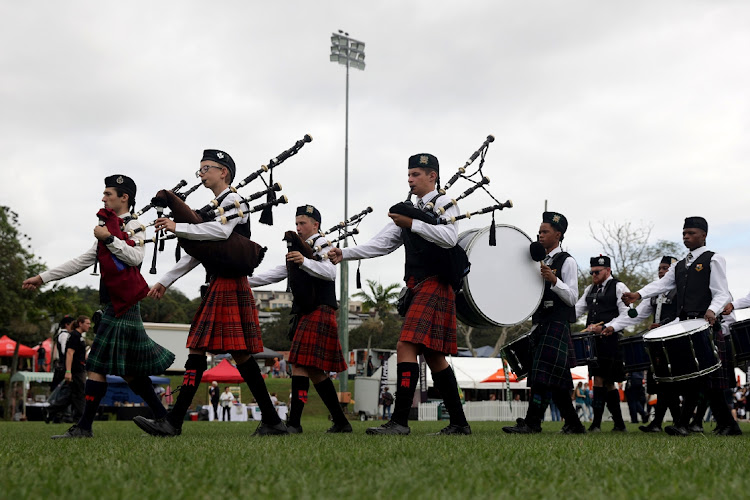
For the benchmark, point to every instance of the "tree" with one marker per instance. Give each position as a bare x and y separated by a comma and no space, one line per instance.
382,332
380,299
276,333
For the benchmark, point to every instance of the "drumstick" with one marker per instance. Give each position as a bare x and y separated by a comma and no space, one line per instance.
594,324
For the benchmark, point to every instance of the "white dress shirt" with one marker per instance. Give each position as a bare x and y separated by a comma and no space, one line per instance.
322,269
130,256
620,288
206,231
567,283
389,238
742,303
717,283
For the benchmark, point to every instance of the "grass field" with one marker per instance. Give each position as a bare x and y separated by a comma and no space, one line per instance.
221,460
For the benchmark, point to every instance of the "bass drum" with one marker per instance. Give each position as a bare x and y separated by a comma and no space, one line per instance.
504,286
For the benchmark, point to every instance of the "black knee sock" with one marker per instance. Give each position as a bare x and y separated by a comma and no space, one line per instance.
600,400
300,386
142,387
445,382
691,399
407,376
613,404
662,403
561,397
95,391
250,372
538,402
720,409
327,393
194,368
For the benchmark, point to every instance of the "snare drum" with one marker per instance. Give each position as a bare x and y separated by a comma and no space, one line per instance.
634,354
504,286
518,355
740,337
682,350
585,348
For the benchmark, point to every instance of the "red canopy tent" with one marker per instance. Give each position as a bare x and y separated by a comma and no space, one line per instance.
499,376
223,372
8,345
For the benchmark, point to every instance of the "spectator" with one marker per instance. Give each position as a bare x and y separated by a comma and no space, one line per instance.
635,394
227,398
386,399
282,367
554,411
213,393
370,366
589,401
580,398
493,396
276,367
274,399
41,358
58,350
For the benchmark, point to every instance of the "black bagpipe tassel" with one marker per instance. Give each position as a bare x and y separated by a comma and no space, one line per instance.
161,244
493,239
359,278
266,216
177,253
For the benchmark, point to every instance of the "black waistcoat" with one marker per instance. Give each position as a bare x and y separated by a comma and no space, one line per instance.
693,286
603,305
423,258
668,308
552,307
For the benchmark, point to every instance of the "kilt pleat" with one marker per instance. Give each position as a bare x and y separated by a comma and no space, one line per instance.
316,341
553,355
723,378
122,347
431,318
227,319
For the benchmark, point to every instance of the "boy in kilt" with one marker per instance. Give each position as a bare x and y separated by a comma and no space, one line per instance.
315,350
552,349
121,345
429,326
226,320
702,292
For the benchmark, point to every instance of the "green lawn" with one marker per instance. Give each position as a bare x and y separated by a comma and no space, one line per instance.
221,460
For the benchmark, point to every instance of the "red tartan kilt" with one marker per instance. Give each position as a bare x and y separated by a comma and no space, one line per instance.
431,318
316,341
227,319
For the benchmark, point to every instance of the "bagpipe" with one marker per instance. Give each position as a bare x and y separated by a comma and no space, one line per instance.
237,255
125,284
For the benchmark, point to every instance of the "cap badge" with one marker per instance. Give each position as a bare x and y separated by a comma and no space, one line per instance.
220,155
601,261
120,180
423,160
556,218
309,209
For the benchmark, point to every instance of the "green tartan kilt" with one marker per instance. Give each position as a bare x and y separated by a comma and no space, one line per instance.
122,347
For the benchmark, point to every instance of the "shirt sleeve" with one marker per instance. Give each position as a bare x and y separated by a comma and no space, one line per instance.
323,268
742,303
443,235
658,286
621,322
273,275
214,230
622,309
383,243
718,284
131,256
183,266
73,266
581,306
567,284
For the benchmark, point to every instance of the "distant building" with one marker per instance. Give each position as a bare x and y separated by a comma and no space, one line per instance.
272,299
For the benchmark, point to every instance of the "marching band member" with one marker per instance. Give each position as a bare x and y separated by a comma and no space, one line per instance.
553,353
664,310
602,301
121,345
226,321
315,350
430,323
702,292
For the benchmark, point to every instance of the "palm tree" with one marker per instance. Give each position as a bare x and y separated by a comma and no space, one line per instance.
380,299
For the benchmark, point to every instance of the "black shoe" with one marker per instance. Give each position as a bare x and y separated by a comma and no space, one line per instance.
645,418
47,416
595,428
345,428
453,430
389,428
75,432
293,429
695,428
265,429
674,430
730,430
650,428
620,428
522,427
573,429
160,427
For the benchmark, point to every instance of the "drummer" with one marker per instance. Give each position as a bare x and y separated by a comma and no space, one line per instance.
601,300
702,291
552,349
664,311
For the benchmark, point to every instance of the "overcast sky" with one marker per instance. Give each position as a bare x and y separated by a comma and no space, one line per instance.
627,111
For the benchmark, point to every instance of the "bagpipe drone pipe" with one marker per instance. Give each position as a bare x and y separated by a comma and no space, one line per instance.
238,255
